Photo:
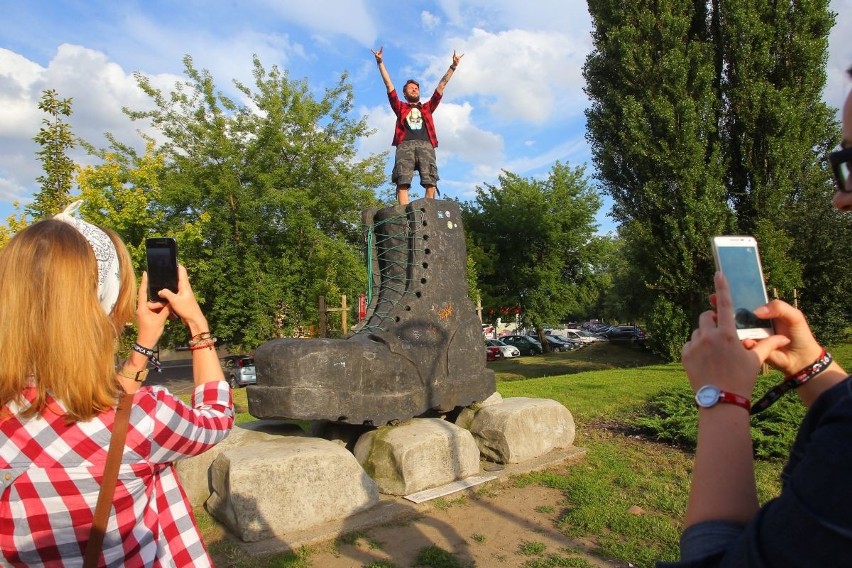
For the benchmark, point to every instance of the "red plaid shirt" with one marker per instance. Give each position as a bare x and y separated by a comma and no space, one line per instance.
401,110
50,475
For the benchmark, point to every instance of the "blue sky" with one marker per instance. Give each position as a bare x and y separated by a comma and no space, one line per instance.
516,101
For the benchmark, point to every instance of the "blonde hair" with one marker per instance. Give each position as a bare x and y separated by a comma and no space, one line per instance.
54,333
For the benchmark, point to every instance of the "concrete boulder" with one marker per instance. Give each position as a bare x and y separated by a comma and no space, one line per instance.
520,429
194,472
418,454
287,484
468,413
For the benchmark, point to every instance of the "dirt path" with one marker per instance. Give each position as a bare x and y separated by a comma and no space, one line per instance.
503,526
496,524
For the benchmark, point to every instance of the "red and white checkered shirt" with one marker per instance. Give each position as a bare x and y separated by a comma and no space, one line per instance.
50,475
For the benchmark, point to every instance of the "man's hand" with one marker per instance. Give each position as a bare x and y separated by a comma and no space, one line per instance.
456,58
378,54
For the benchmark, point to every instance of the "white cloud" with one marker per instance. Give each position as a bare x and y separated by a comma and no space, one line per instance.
519,74
329,16
98,87
840,56
459,137
429,20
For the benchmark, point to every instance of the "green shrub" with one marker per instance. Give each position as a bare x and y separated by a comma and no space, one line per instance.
671,417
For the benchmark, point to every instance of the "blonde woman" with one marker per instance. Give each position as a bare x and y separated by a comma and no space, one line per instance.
67,289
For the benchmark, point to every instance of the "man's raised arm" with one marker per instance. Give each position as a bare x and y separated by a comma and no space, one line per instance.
382,69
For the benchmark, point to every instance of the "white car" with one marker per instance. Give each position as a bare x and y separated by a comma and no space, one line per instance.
580,335
508,351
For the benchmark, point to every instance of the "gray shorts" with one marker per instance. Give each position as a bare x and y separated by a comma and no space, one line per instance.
415,155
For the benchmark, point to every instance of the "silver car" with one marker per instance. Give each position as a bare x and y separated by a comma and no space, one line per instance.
508,351
239,370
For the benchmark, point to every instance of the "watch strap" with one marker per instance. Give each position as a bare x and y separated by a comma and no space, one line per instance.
721,396
731,398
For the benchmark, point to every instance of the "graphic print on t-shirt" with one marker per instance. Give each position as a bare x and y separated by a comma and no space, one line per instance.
415,119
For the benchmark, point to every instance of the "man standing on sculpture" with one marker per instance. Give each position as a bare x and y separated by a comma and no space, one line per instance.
414,135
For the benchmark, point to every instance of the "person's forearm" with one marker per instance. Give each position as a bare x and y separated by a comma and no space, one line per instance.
385,76
723,486
811,390
205,360
446,78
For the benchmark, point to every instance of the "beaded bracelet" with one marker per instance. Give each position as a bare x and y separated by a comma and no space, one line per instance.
202,337
149,353
793,381
202,344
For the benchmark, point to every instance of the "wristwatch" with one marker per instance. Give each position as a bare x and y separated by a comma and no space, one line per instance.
709,396
138,376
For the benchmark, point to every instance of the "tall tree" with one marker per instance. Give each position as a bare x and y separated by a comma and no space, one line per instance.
653,130
56,139
776,132
531,242
264,196
706,118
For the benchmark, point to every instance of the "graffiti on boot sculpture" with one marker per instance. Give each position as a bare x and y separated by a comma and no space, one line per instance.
419,349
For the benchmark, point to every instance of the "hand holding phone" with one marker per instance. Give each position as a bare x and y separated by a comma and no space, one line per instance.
738,259
161,255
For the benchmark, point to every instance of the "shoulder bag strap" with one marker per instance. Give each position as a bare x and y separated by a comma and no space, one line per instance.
102,509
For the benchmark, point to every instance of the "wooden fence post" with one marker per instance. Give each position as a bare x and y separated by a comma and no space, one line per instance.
323,318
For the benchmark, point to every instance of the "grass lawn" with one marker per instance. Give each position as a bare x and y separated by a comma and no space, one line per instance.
629,494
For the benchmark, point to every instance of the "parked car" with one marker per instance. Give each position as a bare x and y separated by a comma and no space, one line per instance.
508,351
558,344
526,345
595,326
582,336
239,370
632,333
493,353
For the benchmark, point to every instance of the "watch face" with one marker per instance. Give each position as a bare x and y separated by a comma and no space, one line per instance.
707,396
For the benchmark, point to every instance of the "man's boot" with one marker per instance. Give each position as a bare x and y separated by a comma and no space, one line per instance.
419,349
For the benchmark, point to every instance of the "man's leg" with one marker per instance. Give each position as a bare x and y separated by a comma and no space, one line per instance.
402,194
427,167
403,171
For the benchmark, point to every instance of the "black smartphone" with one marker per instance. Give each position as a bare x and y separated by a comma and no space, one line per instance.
161,254
738,259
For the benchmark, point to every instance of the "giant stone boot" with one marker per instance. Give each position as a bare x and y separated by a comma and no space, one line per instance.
419,349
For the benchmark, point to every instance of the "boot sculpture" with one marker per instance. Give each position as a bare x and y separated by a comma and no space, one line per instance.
419,349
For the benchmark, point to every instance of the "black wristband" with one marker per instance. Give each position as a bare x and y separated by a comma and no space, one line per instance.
149,353
793,381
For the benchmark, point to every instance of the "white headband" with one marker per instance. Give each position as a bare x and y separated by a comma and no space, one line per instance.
109,280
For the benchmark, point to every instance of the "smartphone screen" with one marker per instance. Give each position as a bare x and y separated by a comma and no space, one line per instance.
161,253
738,259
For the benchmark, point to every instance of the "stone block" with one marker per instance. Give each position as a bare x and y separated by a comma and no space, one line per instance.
418,454
465,417
287,484
520,429
194,472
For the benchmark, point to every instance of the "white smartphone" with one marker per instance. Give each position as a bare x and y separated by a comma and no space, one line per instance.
738,259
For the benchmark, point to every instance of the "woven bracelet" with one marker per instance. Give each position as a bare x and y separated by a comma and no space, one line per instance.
792,382
202,344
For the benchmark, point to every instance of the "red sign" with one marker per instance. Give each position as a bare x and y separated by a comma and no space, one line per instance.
362,306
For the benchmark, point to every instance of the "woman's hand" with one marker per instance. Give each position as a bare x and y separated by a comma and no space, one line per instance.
150,316
715,355
184,305
801,348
